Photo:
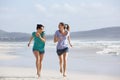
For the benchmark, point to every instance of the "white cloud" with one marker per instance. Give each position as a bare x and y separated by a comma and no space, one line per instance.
85,9
40,8
64,8
82,11
5,10
76,13
96,10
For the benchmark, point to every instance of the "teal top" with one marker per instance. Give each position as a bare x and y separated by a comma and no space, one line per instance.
39,45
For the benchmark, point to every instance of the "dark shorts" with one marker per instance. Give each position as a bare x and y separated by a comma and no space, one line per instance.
62,51
40,52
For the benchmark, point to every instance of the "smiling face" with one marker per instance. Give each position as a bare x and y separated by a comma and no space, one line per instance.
61,26
40,30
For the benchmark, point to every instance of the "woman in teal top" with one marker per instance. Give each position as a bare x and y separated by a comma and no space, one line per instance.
38,43
39,46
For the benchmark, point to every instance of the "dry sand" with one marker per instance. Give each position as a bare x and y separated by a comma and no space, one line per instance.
16,73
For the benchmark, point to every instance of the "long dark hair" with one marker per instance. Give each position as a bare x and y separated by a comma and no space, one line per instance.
39,26
67,27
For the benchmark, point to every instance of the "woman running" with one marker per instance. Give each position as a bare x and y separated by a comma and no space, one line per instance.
62,37
39,46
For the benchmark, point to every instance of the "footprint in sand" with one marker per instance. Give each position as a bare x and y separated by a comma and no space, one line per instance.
58,78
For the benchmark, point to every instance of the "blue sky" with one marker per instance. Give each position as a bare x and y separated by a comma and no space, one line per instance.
23,15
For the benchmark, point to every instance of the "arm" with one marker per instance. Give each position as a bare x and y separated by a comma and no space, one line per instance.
69,40
55,39
43,39
30,41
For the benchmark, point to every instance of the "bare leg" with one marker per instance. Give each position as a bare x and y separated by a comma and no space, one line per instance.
64,63
61,62
41,59
36,53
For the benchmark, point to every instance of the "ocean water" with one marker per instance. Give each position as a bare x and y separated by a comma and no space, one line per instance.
106,47
94,57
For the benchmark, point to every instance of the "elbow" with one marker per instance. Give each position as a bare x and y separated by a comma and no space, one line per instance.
44,40
55,41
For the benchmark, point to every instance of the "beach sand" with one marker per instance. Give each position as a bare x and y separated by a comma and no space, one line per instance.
83,64
16,73
7,57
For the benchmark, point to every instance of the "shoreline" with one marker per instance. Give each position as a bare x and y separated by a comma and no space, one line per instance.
9,73
7,56
17,62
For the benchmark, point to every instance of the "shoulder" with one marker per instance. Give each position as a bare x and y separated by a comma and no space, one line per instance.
57,32
68,33
33,33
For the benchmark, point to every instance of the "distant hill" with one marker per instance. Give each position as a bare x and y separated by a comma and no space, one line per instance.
13,36
110,33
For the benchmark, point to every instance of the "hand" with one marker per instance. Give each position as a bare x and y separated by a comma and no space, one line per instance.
37,34
28,44
71,45
40,36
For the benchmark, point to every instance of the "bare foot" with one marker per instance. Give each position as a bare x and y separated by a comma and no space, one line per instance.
38,75
38,78
64,75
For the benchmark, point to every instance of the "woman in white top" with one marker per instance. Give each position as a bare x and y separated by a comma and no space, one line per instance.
62,37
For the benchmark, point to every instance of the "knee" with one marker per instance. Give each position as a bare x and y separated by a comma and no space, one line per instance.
60,61
37,60
40,61
65,60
